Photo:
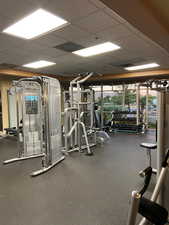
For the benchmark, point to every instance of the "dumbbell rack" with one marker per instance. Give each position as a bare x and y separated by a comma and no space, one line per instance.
125,121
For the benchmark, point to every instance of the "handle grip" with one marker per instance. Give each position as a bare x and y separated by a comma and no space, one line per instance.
165,162
146,180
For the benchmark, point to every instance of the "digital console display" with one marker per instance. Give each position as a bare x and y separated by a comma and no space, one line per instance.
31,104
31,98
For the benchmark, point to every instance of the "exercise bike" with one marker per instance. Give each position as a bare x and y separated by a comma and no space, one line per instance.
149,209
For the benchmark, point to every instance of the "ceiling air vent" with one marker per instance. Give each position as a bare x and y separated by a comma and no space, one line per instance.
7,66
127,63
69,47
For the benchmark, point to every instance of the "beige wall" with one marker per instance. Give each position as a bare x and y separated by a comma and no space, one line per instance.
4,86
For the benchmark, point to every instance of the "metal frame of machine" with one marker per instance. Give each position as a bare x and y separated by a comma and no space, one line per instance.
150,210
75,127
142,205
39,113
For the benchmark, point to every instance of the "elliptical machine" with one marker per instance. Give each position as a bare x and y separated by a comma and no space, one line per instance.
149,209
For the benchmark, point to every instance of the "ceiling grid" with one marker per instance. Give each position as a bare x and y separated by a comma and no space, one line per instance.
91,23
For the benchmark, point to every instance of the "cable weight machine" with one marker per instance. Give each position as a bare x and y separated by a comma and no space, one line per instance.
39,121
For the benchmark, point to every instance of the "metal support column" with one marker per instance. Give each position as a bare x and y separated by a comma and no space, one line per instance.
160,133
124,96
146,112
101,108
135,201
138,103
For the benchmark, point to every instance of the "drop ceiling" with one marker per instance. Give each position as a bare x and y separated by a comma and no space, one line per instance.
91,23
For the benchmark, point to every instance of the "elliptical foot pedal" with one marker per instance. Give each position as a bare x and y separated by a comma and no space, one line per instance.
89,154
141,173
144,172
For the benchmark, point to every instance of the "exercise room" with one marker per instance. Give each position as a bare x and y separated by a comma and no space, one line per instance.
84,112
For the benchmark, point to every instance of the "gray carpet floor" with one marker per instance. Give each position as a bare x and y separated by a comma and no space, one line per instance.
82,190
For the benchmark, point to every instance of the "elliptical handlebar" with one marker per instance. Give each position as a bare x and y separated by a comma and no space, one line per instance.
148,174
147,179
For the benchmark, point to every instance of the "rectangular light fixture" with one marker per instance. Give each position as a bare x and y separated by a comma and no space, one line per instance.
35,24
97,49
39,64
141,67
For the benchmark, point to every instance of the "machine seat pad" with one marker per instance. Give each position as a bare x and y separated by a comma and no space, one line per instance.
148,145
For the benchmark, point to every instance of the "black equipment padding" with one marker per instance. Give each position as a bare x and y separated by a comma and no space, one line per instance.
153,212
148,173
97,118
148,145
164,164
11,131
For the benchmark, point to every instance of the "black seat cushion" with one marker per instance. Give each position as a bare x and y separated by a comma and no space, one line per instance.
152,211
148,145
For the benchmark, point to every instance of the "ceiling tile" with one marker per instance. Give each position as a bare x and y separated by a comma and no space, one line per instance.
49,40
133,43
123,55
70,10
98,4
16,9
11,59
96,22
70,59
45,52
49,70
71,33
128,61
7,42
90,40
91,23
114,33
111,70
101,59
4,22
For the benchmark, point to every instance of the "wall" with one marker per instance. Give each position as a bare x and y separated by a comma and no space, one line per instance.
4,86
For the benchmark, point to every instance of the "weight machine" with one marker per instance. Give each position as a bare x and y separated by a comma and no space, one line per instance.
149,209
161,86
38,121
79,125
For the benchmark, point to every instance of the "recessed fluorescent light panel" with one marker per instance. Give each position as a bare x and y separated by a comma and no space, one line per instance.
97,49
141,67
36,24
39,64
